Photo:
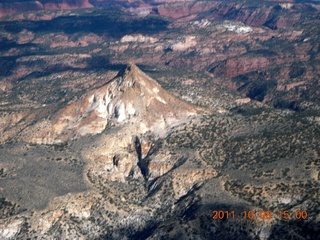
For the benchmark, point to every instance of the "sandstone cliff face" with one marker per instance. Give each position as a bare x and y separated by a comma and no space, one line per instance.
241,65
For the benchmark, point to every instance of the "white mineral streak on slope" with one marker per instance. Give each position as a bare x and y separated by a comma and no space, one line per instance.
110,108
130,109
161,100
121,112
143,83
155,90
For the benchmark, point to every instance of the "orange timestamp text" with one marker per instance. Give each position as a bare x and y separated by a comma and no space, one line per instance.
262,214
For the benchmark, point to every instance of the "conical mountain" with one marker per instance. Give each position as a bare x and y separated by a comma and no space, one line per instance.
131,97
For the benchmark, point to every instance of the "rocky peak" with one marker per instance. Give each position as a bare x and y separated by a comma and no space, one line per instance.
131,69
132,77
131,97
129,75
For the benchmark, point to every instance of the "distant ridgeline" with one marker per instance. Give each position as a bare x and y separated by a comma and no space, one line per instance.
10,7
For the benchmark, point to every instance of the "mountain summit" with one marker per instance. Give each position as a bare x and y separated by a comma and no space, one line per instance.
131,97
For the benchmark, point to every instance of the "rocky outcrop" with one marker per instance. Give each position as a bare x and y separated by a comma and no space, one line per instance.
243,101
10,229
188,41
11,124
287,87
187,179
138,38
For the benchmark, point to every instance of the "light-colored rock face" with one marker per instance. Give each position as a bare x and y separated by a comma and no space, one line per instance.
9,124
238,28
138,38
188,42
286,5
112,157
243,101
9,230
287,87
160,165
132,97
